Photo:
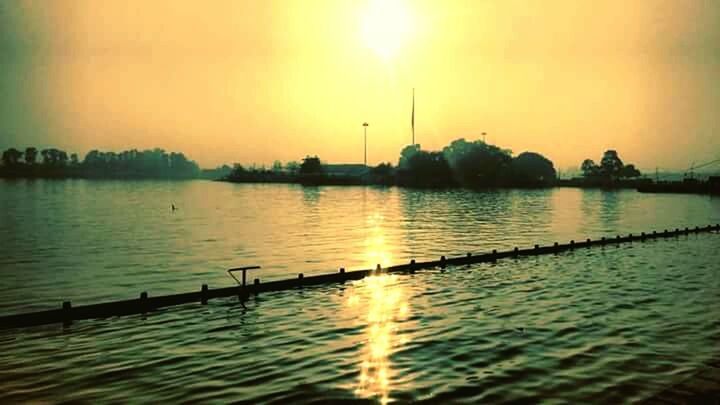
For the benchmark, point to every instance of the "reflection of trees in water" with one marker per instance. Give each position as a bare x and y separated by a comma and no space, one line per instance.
354,227
610,210
311,196
601,211
456,221
311,217
423,213
532,208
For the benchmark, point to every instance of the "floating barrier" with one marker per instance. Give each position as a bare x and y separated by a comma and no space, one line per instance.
145,303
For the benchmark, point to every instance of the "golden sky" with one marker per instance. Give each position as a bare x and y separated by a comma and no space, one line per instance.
254,81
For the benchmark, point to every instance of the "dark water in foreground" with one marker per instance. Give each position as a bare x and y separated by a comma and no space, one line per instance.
605,324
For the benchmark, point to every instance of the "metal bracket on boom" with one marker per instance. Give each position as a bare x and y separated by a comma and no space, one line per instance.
244,270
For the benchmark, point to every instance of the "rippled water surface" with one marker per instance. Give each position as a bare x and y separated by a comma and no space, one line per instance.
88,241
610,324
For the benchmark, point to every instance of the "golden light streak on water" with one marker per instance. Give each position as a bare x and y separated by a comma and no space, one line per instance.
382,303
376,249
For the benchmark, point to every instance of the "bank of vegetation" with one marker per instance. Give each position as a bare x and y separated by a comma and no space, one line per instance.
462,163
132,164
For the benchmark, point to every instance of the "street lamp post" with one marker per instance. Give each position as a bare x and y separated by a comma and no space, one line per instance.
365,125
483,134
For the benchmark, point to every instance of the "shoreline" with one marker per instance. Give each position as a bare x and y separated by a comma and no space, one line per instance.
643,186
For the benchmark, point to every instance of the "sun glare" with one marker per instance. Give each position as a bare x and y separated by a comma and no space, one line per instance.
385,26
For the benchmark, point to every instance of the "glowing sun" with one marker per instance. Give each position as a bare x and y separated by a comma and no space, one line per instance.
385,26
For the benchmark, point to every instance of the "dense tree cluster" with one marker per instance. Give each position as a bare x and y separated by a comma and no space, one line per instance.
259,174
533,167
134,163
155,163
311,166
216,173
461,163
383,174
417,167
611,168
473,164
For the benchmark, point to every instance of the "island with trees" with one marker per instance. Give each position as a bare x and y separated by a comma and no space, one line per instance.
132,164
462,163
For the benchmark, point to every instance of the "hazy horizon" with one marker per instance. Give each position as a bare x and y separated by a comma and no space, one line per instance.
252,82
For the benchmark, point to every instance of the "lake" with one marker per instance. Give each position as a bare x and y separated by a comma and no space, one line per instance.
601,323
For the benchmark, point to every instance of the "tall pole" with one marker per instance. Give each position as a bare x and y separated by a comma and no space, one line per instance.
365,125
483,134
412,120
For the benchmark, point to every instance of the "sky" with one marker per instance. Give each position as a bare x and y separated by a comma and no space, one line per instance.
254,81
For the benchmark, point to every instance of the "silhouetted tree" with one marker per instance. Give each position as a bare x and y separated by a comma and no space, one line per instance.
293,167
277,166
629,171
383,169
11,157
611,167
610,164
47,159
406,154
589,168
93,159
384,173
237,171
31,155
533,167
62,157
311,166
54,157
477,163
422,168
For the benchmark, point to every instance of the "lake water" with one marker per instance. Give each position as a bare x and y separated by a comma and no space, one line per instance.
603,323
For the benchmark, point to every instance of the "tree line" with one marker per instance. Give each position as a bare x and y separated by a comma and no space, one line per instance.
461,163
52,162
472,164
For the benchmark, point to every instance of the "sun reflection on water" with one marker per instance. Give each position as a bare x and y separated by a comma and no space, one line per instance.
382,304
376,248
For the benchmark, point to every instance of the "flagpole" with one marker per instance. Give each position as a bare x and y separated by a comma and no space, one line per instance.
412,120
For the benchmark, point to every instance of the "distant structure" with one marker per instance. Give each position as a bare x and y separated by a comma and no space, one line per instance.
344,169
